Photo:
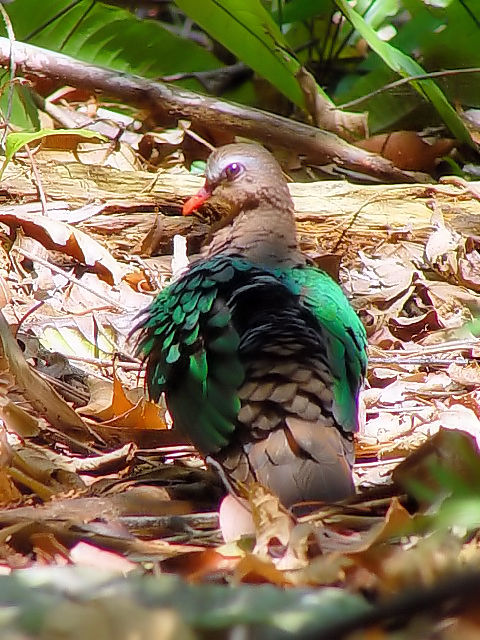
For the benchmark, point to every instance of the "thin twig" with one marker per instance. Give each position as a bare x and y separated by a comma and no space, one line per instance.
13,69
402,81
98,362
38,180
452,345
70,278
421,360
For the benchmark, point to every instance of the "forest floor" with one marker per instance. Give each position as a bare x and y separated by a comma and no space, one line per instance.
109,520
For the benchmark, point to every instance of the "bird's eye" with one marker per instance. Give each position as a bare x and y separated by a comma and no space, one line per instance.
233,170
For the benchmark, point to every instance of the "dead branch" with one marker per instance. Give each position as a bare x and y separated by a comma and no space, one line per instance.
168,104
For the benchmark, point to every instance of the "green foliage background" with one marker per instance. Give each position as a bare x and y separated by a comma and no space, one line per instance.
274,38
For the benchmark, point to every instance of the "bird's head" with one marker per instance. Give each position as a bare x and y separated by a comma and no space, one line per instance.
241,175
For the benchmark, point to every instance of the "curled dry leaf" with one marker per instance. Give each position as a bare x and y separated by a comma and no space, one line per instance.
442,242
415,328
255,569
36,390
197,565
235,518
468,376
43,471
273,527
385,282
60,236
449,448
469,264
8,491
111,404
408,149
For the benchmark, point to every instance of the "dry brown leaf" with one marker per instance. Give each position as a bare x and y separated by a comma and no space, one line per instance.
48,550
408,149
53,234
442,242
196,566
36,390
258,570
45,470
273,524
115,408
468,376
448,447
19,421
469,264
415,328
385,282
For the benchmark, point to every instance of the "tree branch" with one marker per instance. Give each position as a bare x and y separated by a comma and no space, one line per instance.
168,104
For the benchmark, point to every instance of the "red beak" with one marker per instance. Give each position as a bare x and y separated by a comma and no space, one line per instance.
196,201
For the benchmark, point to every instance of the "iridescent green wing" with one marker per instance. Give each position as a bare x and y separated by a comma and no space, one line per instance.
191,351
345,337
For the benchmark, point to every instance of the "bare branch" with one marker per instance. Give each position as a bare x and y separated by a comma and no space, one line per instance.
168,104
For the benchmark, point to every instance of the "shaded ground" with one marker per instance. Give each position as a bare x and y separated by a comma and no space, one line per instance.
92,476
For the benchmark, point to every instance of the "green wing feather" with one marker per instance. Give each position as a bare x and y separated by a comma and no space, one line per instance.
345,336
191,345
191,350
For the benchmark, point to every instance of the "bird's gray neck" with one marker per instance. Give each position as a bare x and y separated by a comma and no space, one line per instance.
265,235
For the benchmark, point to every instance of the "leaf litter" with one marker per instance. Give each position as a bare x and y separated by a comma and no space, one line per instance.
93,475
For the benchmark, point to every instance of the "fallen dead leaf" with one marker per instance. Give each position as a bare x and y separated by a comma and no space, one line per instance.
36,390
113,407
53,234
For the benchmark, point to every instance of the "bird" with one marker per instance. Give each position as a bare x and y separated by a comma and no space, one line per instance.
259,353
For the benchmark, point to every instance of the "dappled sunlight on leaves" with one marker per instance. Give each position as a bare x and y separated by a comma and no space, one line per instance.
92,474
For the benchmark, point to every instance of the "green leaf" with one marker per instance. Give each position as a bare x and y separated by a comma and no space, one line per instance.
15,141
298,10
406,67
20,107
250,32
108,36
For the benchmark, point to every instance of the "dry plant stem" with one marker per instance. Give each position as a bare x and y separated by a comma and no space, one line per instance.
76,445
75,395
177,522
419,361
38,180
97,462
70,278
11,40
452,345
98,362
38,488
61,116
169,104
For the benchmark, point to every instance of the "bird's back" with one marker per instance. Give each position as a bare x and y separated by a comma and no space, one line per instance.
261,367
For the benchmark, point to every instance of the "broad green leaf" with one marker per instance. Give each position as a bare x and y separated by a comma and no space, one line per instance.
406,67
108,36
15,141
23,111
249,31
